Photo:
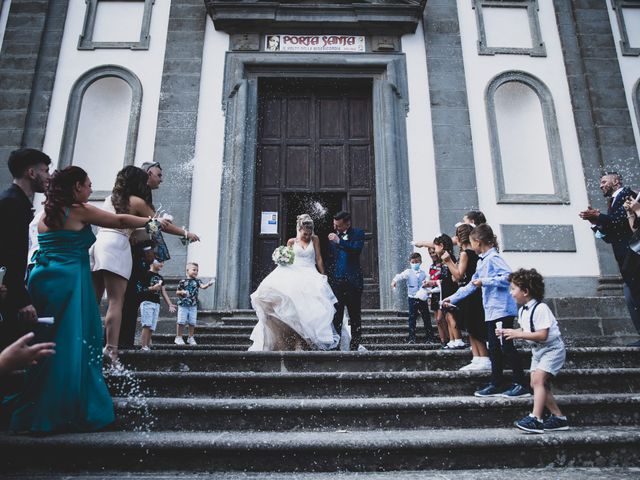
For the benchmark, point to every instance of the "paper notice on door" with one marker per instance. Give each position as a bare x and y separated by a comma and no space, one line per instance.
269,223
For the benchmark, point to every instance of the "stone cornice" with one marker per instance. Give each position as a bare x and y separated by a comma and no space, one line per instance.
394,17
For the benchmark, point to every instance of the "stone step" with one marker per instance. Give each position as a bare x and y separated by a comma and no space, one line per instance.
197,414
243,338
563,473
352,384
352,450
400,329
372,361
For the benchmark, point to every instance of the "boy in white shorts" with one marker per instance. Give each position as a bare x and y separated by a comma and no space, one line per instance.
539,328
188,303
149,289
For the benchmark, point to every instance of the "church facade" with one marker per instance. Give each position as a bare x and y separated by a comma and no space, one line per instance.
406,113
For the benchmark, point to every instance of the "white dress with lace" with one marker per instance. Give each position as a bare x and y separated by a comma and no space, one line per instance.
295,303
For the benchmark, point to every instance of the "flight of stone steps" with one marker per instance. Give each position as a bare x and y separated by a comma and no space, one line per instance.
395,407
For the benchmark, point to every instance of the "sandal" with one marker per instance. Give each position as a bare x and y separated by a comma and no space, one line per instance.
110,353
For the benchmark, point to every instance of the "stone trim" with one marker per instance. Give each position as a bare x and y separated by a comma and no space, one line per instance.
600,108
561,190
85,42
392,17
617,6
240,97
452,137
538,238
636,101
75,106
537,50
45,74
175,141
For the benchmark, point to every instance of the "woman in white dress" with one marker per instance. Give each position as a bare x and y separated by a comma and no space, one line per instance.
294,303
110,255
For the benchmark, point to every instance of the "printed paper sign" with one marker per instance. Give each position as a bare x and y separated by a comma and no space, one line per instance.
314,43
269,223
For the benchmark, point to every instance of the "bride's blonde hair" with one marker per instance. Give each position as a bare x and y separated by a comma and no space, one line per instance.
304,222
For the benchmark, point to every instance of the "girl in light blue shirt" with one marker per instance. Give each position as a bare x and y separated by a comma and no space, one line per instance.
492,275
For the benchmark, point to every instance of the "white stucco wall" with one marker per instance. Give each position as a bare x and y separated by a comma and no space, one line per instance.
4,16
207,168
422,180
630,69
146,64
480,70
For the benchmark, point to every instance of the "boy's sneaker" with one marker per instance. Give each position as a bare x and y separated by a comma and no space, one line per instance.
489,390
179,341
145,349
411,341
516,390
191,341
555,424
530,424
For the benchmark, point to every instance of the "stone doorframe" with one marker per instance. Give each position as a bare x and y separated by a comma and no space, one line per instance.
240,102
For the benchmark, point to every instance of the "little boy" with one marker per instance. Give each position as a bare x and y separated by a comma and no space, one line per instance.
149,288
540,329
415,277
188,303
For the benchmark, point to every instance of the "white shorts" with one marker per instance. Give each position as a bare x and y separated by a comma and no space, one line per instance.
111,252
187,315
548,357
149,313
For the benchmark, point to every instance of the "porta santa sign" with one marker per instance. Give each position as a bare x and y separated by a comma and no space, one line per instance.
314,43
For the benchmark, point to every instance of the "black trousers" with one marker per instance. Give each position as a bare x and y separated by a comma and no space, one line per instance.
419,307
500,352
350,297
130,308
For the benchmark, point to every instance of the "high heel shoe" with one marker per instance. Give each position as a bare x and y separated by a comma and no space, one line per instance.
110,353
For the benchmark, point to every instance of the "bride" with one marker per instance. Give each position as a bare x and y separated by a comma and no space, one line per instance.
294,303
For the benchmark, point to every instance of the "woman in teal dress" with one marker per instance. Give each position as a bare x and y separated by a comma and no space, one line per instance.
67,392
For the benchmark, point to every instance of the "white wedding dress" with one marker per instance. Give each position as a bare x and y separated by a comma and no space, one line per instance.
295,303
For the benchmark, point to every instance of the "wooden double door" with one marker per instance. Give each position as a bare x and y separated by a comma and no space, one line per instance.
314,155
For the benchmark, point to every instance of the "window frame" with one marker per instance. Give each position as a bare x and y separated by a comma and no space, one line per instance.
625,47
538,48
552,134
74,109
86,42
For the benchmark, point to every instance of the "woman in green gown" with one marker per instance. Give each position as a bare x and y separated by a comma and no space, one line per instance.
67,392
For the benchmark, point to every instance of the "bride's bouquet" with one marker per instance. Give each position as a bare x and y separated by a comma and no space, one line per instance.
283,256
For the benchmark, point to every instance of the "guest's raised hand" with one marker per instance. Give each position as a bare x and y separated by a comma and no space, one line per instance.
334,238
20,354
445,257
192,237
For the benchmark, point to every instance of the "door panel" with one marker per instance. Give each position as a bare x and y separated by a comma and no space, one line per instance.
322,158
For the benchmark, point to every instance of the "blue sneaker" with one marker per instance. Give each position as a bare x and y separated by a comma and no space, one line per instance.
489,390
530,424
516,390
555,424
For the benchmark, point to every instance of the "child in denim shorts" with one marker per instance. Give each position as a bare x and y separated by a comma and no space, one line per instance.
539,328
149,288
188,303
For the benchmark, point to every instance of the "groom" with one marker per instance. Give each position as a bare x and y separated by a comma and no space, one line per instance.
345,274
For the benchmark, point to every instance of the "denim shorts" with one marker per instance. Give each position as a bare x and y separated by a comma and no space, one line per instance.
149,313
187,315
548,357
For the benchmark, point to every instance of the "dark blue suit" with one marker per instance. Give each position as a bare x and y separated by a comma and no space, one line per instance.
614,225
16,213
346,280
